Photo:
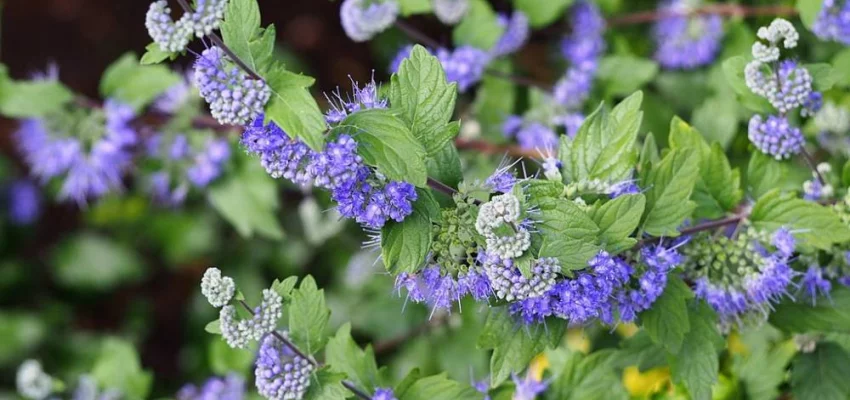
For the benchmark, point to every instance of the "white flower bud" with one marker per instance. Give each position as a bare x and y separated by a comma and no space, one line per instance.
238,333
450,12
32,382
780,29
217,289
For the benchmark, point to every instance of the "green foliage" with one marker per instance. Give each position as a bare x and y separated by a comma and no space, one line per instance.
670,183
479,28
821,374
293,108
542,13
817,226
495,98
386,143
579,376
696,364
94,262
344,356
808,10
405,244
25,99
667,321
624,74
617,220
248,199
733,68
425,100
21,333
763,369
327,385
135,84
241,32
308,316
825,315
437,387
570,235
118,366
411,7
513,346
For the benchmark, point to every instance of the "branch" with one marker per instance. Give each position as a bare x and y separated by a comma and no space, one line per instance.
490,148
392,344
812,164
705,226
728,10
220,43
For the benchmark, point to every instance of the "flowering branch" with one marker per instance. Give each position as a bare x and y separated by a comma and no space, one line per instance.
348,385
729,10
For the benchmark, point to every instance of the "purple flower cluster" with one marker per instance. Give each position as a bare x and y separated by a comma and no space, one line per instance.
502,180
833,21
686,42
528,388
438,289
582,49
384,394
92,166
184,164
24,202
515,35
234,98
623,188
361,99
360,193
531,136
775,136
231,387
464,65
813,283
279,372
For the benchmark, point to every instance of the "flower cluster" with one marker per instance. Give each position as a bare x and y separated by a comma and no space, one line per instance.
582,49
464,65
533,134
500,222
87,390
234,98
32,382
740,278
515,35
24,202
173,36
280,373
508,284
238,333
450,12
833,21
440,289
217,289
184,163
684,41
384,394
92,161
361,193
231,387
775,136
363,19
814,189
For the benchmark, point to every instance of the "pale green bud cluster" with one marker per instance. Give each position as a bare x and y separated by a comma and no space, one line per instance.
498,221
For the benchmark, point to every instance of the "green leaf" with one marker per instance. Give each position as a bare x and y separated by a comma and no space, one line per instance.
821,374
344,356
479,28
241,33
293,108
815,224
224,359
213,327
445,167
154,55
639,350
623,74
666,321
135,84
118,367
326,385
424,98
824,76
411,7
25,99
404,245
841,64
248,200
604,146
717,119
569,234
386,143
670,184
495,98
542,13
809,10
696,364
94,262
617,220
308,316
513,346
826,315
763,370
284,287
439,387
733,68
22,332
764,174
586,377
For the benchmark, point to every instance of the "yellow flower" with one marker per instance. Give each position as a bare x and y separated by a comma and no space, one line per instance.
641,384
537,366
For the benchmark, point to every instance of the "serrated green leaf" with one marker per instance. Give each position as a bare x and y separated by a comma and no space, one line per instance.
667,321
764,174
617,219
542,13
815,224
763,370
213,327
154,55
445,167
670,184
293,108
696,364
344,356
386,143
825,315
604,146
733,69
717,119
118,367
495,98
623,74
821,374
308,316
513,346
248,200
439,387
479,28
824,76
587,377
326,385
242,34
569,234
809,10
641,351
404,245
284,287
135,84
424,98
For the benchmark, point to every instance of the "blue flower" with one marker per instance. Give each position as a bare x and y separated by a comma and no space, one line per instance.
537,136
234,98
582,49
231,387
465,65
384,394
281,373
515,35
527,389
279,154
775,136
686,42
833,21
24,202
813,284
